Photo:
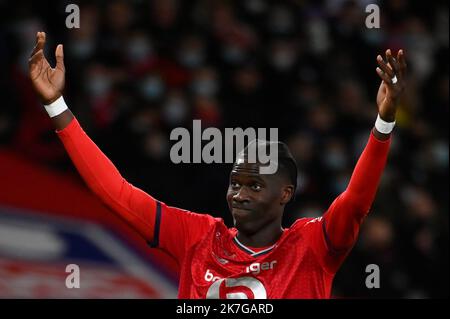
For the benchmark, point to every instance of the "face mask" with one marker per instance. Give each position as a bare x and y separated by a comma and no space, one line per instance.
339,184
98,85
175,111
373,36
191,58
233,54
152,88
139,49
82,49
440,154
335,160
205,87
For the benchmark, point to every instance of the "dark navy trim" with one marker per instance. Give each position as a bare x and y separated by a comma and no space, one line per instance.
155,242
327,240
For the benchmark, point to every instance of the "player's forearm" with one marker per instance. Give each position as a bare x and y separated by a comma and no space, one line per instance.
368,171
345,215
130,203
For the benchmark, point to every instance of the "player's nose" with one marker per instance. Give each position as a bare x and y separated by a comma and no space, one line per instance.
241,195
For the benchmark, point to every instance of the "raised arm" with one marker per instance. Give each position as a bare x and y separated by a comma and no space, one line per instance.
136,207
343,218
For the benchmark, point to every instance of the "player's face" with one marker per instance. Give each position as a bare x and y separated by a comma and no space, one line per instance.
254,199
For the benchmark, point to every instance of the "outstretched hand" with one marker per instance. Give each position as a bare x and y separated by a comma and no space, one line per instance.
48,82
392,72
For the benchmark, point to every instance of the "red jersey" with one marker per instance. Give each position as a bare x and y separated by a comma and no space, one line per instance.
213,263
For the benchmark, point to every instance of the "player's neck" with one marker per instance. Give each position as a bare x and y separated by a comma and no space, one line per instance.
266,236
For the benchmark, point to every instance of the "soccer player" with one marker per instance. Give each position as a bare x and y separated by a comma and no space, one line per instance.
257,258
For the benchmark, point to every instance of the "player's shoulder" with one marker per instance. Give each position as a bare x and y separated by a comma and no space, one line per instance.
190,214
306,228
306,222
198,219
213,222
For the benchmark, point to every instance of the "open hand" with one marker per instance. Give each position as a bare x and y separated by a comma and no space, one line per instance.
48,82
390,92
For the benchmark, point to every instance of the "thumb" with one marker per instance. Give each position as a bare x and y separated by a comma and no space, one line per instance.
59,54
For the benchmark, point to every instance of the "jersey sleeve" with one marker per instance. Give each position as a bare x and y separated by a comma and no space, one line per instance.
171,229
337,230
177,230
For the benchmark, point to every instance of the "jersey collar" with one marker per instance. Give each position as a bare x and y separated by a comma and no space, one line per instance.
250,251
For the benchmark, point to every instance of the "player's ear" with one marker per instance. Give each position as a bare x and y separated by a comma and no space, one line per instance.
286,194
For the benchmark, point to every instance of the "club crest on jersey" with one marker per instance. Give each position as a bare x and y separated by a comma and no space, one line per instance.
237,288
223,261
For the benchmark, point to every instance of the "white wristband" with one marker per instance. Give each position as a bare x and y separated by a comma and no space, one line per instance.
57,107
383,126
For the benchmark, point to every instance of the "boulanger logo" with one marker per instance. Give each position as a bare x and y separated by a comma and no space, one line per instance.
254,268
257,267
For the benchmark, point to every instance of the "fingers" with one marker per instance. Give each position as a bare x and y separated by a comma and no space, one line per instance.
384,71
402,62
391,67
37,55
36,58
393,63
40,42
59,54
384,67
384,76
401,58
35,64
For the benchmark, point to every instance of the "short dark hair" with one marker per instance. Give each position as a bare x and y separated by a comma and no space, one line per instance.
286,162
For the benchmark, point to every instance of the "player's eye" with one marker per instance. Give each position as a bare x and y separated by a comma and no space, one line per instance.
234,184
256,187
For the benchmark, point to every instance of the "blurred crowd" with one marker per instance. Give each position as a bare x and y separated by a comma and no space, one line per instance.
137,69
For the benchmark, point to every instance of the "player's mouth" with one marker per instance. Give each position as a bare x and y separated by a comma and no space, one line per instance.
239,210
